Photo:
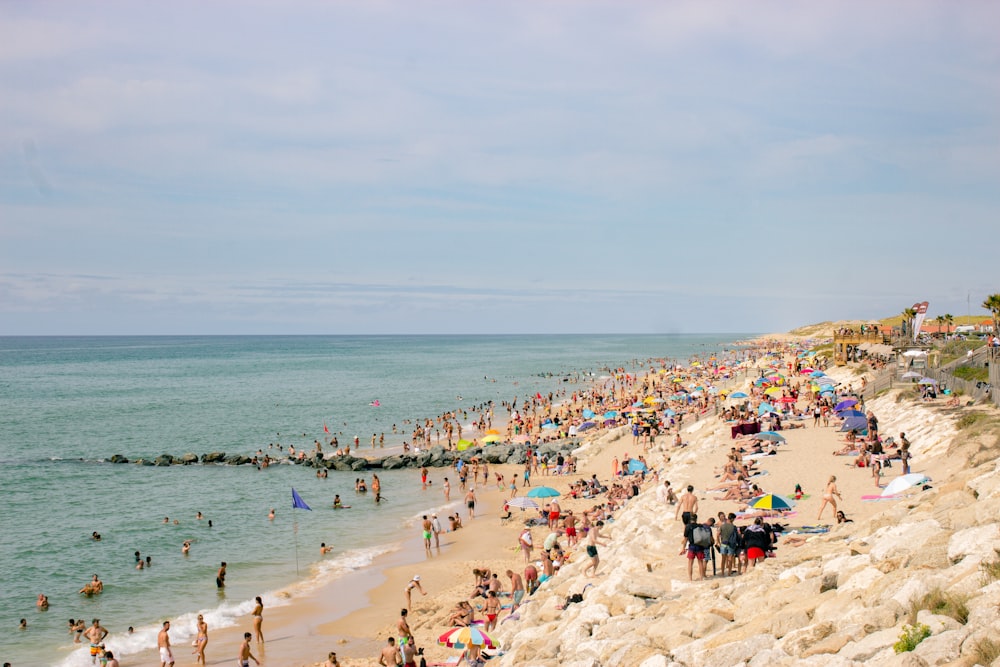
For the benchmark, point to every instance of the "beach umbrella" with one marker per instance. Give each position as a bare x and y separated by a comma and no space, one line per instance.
927,381
523,502
773,390
817,374
587,414
765,408
738,394
851,413
584,426
610,422
909,375
549,425
807,371
492,431
843,405
770,436
543,492
492,437
669,413
465,637
772,501
787,399
855,424
463,445
904,482
610,414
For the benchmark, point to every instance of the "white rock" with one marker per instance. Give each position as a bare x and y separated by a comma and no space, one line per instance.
867,647
939,649
978,543
860,580
655,661
908,537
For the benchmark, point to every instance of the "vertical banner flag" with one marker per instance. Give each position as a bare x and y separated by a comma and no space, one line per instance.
918,321
298,502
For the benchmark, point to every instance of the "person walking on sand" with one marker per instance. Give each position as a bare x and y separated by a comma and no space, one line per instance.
828,496
447,490
201,640
593,540
526,544
163,643
428,532
470,502
258,619
244,657
436,528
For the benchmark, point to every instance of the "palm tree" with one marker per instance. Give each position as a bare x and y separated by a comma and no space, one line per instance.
940,320
949,320
992,304
908,315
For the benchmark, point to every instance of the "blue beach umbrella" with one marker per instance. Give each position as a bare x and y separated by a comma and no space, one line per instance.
765,408
847,403
549,426
738,394
855,424
610,414
635,465
584,426
851,413
770,435
543,492
587,414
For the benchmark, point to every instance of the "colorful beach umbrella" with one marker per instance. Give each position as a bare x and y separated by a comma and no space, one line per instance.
770,436
465,637
491,438
543,492
772,501
851,413
463,445
847,403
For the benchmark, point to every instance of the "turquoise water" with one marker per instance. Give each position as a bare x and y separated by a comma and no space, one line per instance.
66,404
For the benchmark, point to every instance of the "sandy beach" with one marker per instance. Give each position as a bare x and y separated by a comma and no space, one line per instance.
642,577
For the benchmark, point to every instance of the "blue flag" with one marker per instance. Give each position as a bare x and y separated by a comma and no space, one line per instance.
298,502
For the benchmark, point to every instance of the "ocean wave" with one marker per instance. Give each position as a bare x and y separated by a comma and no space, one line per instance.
229,614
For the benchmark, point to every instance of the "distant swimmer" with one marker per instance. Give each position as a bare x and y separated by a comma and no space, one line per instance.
337,504
323,549
96,536
94,587
199,516
186,547
270,515
43,601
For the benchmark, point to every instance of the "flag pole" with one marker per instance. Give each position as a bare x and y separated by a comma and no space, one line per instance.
297,502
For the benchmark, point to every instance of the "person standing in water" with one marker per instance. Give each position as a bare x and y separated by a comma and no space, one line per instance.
220,576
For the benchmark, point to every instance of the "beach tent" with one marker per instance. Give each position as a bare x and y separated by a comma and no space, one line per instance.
765,408
855,424
635,465
463,445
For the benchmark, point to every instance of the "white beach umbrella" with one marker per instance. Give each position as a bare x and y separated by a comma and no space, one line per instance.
904,482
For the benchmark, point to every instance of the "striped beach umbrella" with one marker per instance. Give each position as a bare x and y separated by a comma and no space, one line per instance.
465,637
772,501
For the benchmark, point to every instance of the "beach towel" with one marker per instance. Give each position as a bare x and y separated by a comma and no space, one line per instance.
759,473
811,529
871,499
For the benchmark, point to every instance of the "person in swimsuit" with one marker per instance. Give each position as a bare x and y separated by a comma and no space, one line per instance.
201,640
337,504
408,589
828,496
405,634
428,529
243,659
96,634
470,502
593,539
258,619
163,643
492,610
220,576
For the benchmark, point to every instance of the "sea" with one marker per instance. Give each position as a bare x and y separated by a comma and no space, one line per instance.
67,404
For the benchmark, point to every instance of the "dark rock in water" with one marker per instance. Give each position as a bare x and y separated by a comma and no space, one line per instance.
144,462
341,464
118,458
436,454
237,459
164,460
359,464
422,460
214,457
189,458
470,454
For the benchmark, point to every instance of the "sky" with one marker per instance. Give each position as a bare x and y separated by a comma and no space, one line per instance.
306,167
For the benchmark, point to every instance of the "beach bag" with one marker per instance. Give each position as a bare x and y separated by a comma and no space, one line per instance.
702,536
735,540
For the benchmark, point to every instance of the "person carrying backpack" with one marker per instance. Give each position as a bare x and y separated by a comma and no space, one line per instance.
697,540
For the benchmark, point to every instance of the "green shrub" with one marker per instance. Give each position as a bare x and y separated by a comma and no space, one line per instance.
969,419
990,570
972,373
939,602
910,637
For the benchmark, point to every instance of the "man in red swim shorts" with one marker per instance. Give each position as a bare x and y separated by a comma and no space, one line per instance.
554,512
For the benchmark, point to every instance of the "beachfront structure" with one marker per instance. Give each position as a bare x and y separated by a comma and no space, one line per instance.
849,343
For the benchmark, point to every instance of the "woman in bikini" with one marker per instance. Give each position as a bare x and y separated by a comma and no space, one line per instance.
828,496
201,641
258,619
